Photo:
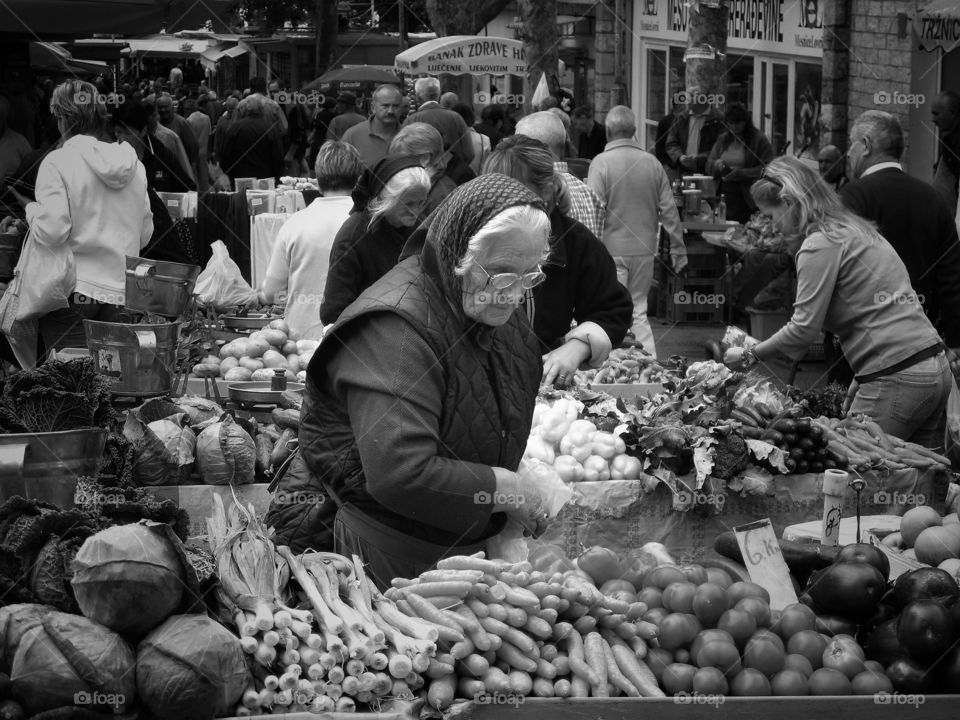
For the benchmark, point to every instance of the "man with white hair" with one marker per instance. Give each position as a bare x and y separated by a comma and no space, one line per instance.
456,136
637,193
585,205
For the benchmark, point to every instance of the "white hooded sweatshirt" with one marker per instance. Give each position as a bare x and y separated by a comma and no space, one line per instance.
93,195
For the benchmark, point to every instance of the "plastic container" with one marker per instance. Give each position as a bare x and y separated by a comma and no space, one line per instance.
143,358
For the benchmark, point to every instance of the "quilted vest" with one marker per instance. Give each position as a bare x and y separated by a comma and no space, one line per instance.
487,408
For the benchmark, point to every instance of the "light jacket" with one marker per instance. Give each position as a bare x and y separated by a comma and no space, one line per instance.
93,195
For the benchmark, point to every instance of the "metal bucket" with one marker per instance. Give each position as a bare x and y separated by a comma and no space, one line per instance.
45,466
143,358
161,288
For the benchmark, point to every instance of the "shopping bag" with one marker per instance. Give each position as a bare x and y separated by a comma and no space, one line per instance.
221,284
951,440
43,281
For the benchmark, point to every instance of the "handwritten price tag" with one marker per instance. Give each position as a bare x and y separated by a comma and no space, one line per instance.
765,563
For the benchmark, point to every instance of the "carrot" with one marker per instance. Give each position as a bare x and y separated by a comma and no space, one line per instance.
515,657
521,640
576,610
521,597
444,602
487,594
562,663
542,687
548,616
441,691
616,677
546,669
516,617
611,621
585,625
403,582
470,688
465,562
438,617
578,664
538,627
562,688
562,630
477,607
626,630
466,619
498,612
647,630
540,589
619,607
458,588
636,671
515,579
550,602
594,656
470,576
412,626
438,669
548,651
462,649
496,681
473,665
579,687
494,626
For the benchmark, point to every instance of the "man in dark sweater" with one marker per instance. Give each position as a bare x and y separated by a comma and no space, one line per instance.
910,214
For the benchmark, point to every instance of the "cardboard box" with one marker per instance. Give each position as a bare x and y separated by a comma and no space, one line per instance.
197,500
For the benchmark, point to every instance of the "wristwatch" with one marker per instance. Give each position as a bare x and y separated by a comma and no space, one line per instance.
749,357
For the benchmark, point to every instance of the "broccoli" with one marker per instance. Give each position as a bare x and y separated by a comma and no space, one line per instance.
730,456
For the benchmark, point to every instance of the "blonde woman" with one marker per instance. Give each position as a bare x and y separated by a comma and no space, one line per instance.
852,283
91,195
388,203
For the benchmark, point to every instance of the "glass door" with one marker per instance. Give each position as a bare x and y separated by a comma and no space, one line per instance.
780,107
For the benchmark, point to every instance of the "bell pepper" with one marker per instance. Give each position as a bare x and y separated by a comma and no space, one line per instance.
578,443
595,468
568,468
625,467
538,412
601,564
539,449
604,444
554,424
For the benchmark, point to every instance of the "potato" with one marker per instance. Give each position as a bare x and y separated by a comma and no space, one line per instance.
305,359
256,348
289,347
211,360
277,338
255,335
302,376
240,347
293,362
262,375
273,359
228,363
237,374
227,350
293,334
251,364
210,370
304,346
280,325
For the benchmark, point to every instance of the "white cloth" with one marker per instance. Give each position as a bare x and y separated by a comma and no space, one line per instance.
93,195
264,229
300,261
635,273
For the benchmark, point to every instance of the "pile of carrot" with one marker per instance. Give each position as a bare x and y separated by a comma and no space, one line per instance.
507,630
863,445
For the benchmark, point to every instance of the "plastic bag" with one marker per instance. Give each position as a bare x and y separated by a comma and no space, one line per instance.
221,284
951,440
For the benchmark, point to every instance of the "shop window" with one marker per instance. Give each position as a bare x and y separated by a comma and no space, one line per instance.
657,102
739,79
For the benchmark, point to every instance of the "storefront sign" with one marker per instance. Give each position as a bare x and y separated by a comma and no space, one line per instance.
793,27
938,26
465,55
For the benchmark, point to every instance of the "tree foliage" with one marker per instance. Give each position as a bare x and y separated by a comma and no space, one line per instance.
462,18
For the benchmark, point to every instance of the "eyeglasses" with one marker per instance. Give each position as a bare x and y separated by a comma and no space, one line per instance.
504,281
767,176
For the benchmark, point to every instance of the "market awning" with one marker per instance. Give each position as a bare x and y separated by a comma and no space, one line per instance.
937,25
353,76
210,57
46,19
53,58
464,55
171,46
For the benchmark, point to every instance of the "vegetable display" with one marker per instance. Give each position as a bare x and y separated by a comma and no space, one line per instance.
257,356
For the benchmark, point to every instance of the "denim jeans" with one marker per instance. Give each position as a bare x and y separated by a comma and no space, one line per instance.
910,404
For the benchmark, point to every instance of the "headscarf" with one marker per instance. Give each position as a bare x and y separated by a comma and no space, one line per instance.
463,213
374,180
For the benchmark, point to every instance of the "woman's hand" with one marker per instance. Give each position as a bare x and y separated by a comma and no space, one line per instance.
848,400
8,224
733,358
520,499
559,365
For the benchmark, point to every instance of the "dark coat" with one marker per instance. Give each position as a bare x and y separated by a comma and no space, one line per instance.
680,131
252,147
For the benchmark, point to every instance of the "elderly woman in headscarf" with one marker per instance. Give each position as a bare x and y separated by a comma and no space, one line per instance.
388,203
419,400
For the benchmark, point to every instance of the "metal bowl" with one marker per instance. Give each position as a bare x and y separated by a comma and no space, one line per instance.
259,392
253,321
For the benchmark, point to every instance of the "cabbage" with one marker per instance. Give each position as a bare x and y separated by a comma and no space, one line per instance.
225,453
191,668
178,439
163,443
15,620
128,578
198,409
68,658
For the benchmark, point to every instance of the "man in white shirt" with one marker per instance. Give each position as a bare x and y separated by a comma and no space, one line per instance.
298,266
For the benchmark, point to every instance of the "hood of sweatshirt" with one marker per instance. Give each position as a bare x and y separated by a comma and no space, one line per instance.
114,163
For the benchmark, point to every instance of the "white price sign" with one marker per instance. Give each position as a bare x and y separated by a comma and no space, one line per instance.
765,563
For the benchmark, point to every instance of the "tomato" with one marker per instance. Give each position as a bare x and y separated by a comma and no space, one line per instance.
600,563
757,607
678,597
840,656
750,683
677,678
763,655
873,666
909,676
810,644
851,643
742,589
657,660
721,655
739,623
705,636
763,634
678,630
827,681
710,601
925,630
866,553
681,655
789,683
627,596
871,683
795,618
882,645
719,576
709,681
651,596
697,574
663,575
799,663
655,615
